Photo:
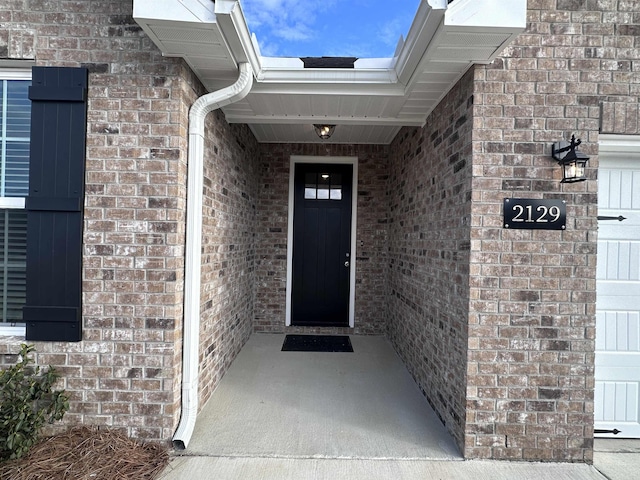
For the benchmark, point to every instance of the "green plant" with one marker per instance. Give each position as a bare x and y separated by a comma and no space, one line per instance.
27,401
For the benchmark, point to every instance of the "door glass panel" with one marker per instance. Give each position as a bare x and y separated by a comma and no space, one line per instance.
324,183
322,186
336,187
310,186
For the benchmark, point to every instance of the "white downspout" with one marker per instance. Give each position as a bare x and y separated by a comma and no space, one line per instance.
192,271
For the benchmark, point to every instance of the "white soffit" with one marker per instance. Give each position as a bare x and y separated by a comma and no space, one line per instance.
369,102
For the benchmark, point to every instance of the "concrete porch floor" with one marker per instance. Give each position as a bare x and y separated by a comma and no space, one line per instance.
299,415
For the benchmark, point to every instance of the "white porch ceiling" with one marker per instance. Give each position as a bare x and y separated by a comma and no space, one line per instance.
369,103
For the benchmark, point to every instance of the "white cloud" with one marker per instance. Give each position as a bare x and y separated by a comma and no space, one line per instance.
390,32
287,20
298,31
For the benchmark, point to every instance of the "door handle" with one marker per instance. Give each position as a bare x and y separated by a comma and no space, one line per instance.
346,264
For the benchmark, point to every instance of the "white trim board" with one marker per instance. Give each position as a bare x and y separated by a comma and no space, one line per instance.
619,150
296,159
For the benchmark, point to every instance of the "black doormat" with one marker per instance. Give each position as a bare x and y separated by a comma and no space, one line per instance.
317,343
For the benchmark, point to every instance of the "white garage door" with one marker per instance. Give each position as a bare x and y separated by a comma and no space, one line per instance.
617,389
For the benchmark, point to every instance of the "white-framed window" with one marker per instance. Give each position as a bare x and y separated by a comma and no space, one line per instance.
15,120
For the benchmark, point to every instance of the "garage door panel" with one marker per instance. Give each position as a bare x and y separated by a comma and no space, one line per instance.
628,229
616,188
611,296
620,366
618,331
617,362
623,403
620,260
617,406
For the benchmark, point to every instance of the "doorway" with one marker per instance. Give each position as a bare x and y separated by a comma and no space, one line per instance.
321,246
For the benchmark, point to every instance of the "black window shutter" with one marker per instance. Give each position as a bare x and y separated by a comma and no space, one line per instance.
53,308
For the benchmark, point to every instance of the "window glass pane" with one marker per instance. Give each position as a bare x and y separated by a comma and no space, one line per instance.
15,118
13,252
16,169
18,109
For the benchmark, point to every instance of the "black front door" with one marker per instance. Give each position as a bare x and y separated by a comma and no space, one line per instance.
321,245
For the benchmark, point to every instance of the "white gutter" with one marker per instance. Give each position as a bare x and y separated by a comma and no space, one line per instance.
192,272
233,25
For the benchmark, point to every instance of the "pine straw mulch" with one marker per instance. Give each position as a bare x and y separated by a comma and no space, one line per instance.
88,453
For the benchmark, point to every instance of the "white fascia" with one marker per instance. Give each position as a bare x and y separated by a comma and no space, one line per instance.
288,119
366,71
194,11
375,63
337,88
315,76
234,28
295,63
487,14
428,19
292,63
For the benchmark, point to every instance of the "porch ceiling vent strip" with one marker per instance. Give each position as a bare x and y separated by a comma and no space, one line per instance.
195,173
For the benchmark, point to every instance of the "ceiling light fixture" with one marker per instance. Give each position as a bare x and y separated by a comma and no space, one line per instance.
324,131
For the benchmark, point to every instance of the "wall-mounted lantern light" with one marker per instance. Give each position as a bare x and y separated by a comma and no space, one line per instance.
573,161
324,131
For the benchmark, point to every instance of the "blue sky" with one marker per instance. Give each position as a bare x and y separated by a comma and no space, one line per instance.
337,28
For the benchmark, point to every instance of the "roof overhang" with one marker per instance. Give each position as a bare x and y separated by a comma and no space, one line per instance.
369,103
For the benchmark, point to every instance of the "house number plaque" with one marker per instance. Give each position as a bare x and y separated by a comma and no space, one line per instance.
533,213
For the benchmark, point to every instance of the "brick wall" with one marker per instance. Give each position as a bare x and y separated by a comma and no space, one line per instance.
228,247
531,310
532,322
429,194
620,118
371,234
124,374
127,371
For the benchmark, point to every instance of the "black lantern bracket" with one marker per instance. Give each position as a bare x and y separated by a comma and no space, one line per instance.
572,160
